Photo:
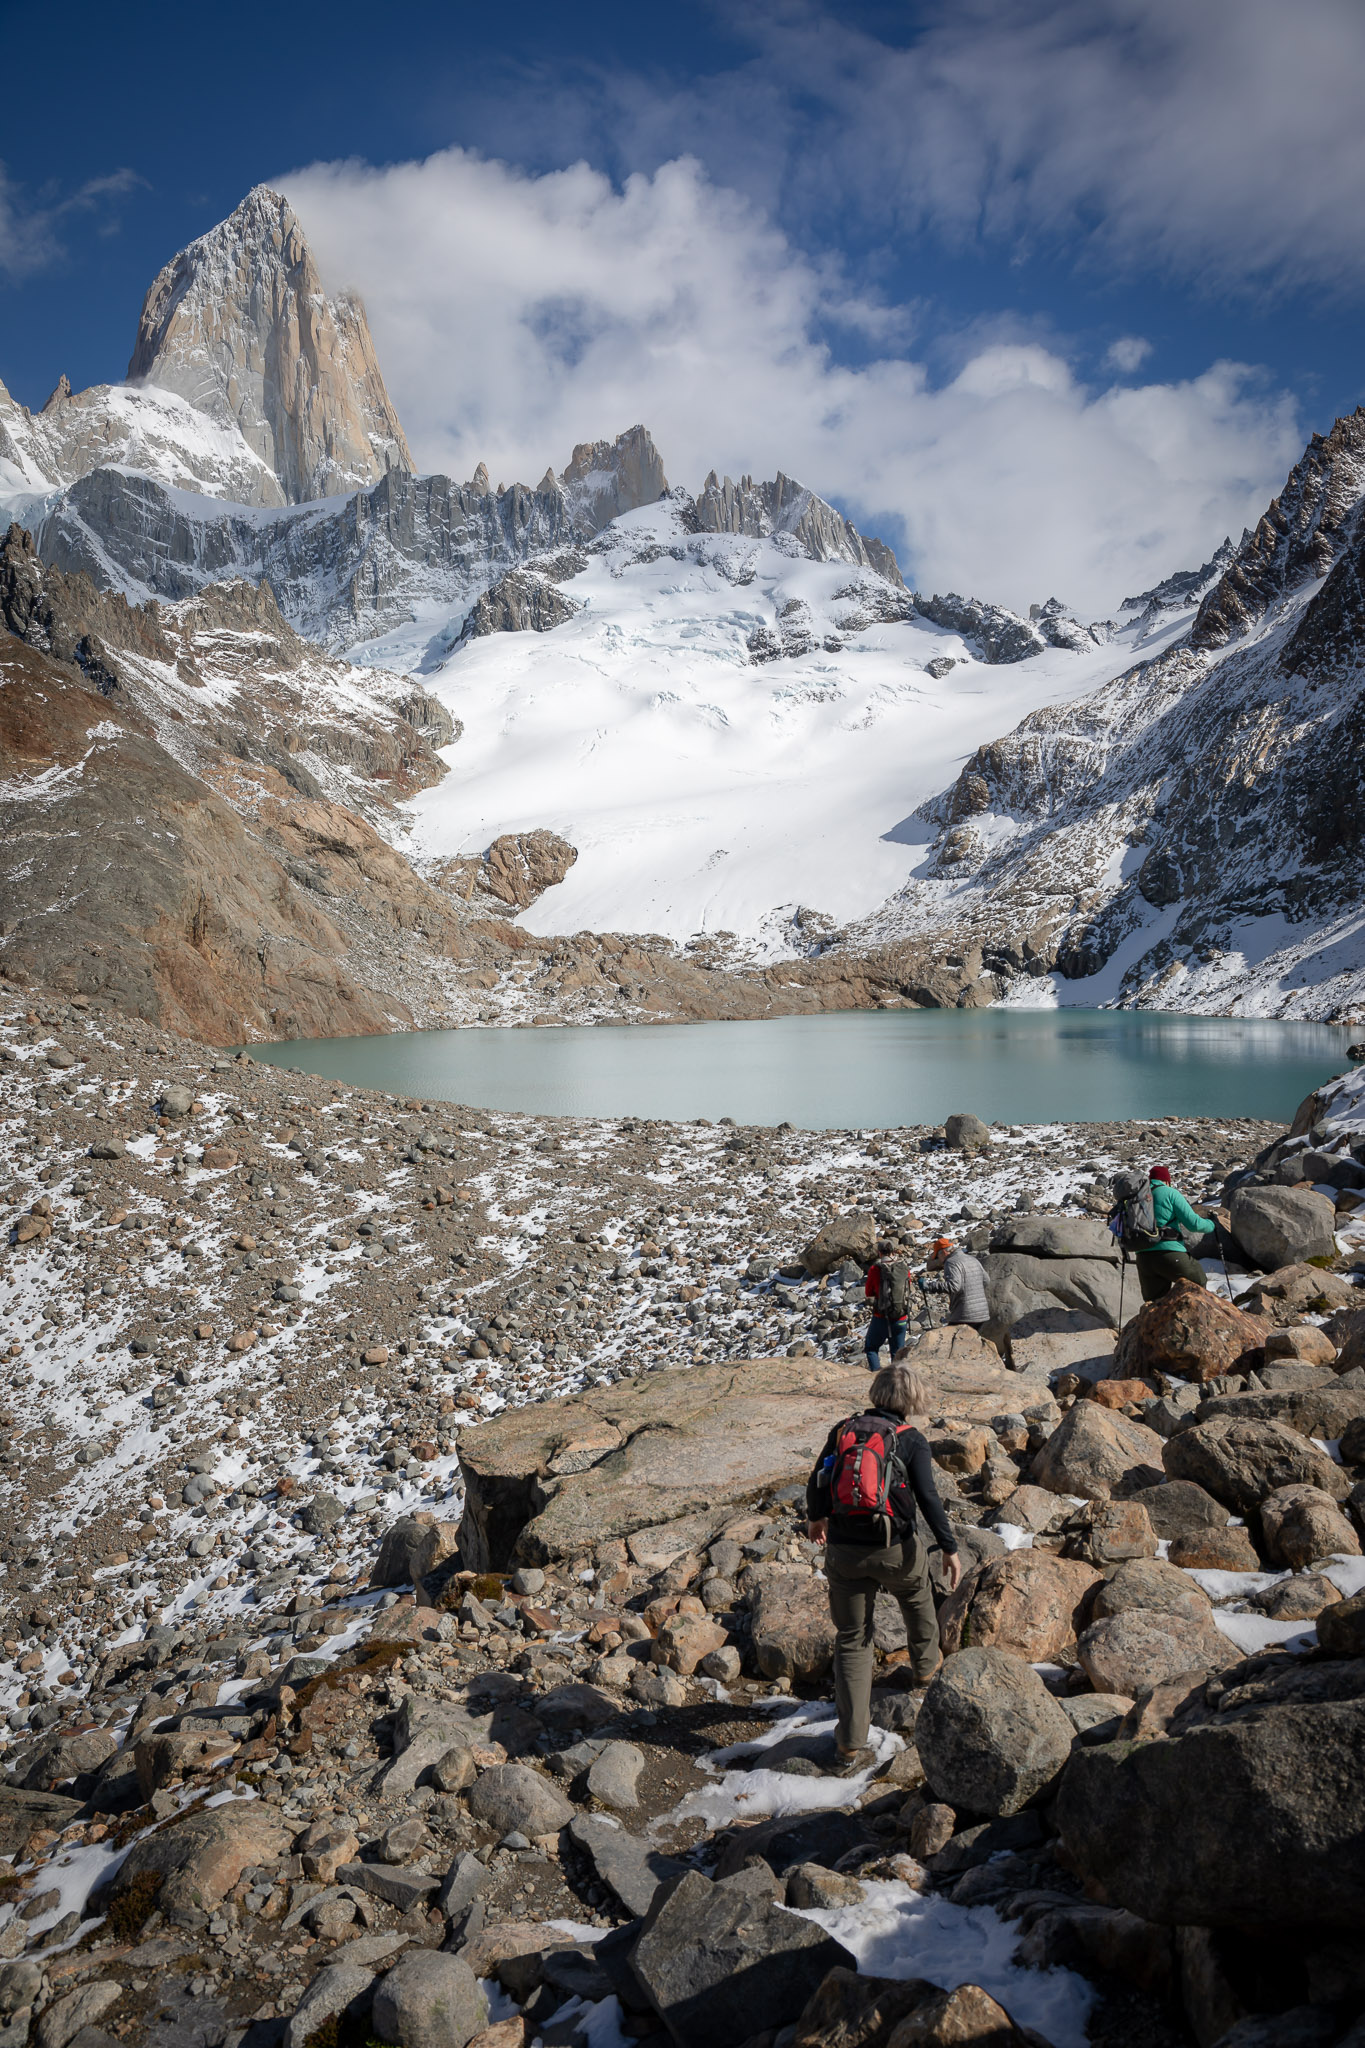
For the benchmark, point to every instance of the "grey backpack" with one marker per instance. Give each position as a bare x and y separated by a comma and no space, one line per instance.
1133,1222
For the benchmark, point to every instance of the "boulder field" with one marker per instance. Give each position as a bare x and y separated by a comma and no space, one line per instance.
432,1651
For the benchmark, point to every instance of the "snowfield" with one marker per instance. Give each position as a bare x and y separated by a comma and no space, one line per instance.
706,791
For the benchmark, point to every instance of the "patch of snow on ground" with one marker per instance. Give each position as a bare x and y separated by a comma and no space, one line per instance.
896,1932
1255,1632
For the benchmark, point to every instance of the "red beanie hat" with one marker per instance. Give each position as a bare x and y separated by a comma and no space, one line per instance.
1160,1173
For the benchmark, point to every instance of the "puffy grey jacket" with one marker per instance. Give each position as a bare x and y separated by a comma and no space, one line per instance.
963,1280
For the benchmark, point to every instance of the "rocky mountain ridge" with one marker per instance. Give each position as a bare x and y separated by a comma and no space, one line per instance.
1192,829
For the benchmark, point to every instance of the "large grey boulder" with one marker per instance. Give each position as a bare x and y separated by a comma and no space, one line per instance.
1242,1463
1252,1815
1017,1283
199,1859
614,1776
423,1731
1280,1226
414,1546
990,1735
429,2000
966,1133
1326,1410
720,1964
1179,1508
1148,1585
514,1798
1061,1340
63,1754
1056,1237
75,2010
850,1236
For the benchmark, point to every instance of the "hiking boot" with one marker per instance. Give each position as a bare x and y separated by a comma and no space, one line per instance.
850,1763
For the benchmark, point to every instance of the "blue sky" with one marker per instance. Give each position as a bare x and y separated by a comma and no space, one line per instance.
1000,248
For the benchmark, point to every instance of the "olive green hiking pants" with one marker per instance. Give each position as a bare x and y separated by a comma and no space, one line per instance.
856,1575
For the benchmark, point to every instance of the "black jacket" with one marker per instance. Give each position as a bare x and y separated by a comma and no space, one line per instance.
916,1490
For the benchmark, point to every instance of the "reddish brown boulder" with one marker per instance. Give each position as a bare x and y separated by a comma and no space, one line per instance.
1029,1603
967,2015
1119,1393
1304,1342
1301,1523
1109,1531
1215,1550
1189,1332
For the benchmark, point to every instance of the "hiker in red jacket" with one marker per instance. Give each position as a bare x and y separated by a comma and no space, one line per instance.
872,1484
887,1287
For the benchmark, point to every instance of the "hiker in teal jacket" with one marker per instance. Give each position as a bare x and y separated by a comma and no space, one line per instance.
1168,1260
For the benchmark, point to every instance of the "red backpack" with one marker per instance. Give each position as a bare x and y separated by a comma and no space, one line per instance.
865,1466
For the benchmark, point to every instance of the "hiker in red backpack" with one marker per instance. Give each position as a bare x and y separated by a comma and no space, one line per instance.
871,1483
887,1287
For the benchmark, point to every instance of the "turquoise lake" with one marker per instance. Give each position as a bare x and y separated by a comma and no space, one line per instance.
856,1068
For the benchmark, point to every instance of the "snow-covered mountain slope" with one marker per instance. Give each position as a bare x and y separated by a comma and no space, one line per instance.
1192,834
730,733
148,432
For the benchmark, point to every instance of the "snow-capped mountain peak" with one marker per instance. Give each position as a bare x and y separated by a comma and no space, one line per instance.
239,325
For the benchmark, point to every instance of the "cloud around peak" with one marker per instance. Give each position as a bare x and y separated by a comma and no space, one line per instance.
516,315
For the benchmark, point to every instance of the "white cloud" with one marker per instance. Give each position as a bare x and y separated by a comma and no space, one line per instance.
1221,141
1127,354
517,315
29,237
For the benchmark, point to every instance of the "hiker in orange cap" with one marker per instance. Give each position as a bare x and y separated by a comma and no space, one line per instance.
962,1278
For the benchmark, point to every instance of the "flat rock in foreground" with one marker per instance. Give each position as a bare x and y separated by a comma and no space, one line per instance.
546,1480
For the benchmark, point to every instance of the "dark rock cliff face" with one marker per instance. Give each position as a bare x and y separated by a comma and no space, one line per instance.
518,603
1297,538
1002,636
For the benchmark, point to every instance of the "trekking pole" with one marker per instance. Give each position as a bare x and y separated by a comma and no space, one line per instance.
1123,1274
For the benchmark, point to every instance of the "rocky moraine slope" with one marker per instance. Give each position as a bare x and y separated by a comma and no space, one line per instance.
409,1629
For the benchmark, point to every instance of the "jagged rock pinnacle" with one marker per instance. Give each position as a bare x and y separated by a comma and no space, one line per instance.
238,324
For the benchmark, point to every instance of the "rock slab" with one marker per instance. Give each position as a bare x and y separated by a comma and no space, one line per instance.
719,1964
